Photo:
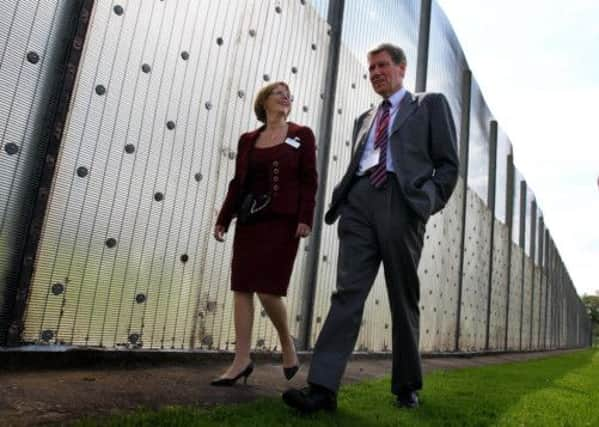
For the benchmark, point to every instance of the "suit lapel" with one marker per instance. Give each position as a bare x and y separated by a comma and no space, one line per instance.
361,138
407,106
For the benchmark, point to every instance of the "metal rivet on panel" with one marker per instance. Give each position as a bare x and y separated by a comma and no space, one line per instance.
313,46
184,258
158,196
133,338
198,177
305,108
347,143
47,335
294,70
252,33
82,171
170,125
100,90
219,41
57,288
11,148
208,105
324,258
118,10
364,76
278,9
353,85
146,68
339,111
376,302
334,158
140,298
129,148
185,55
33,57
111,242
266,77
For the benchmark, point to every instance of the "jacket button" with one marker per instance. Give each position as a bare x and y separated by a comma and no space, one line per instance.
275,163
275,187
275,179
275,171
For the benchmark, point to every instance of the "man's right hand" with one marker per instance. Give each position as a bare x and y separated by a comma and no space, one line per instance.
219,232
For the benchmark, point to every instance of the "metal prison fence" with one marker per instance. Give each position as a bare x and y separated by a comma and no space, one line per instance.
119,122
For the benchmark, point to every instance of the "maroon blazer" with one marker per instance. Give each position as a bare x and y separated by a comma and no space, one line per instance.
294,192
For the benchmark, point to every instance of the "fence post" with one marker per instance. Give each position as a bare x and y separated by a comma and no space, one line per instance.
533,251
491,204
423,41
464,144
509,219
335,20
522,241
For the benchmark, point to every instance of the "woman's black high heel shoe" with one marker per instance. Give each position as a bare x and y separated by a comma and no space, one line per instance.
290,372
228,382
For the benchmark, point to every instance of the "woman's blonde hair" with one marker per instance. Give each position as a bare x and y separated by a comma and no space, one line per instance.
261,99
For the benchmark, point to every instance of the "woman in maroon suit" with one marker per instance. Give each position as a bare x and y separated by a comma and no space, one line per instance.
277,163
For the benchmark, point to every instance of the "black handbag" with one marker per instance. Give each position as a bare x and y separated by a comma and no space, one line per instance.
252,205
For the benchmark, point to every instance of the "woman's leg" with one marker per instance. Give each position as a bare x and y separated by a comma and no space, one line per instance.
275,308
244,319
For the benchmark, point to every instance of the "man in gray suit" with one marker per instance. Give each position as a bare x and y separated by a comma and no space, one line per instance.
404,169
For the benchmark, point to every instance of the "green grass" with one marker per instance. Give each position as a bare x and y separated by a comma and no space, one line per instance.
555,391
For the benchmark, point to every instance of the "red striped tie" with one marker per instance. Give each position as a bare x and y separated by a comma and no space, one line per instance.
379,172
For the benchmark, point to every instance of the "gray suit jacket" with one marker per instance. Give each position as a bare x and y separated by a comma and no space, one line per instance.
423,150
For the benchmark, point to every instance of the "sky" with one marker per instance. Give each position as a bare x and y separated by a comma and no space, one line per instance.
537,63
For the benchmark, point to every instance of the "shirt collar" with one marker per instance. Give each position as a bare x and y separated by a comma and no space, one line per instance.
396,98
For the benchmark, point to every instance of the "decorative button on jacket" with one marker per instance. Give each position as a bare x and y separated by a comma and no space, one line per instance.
294,177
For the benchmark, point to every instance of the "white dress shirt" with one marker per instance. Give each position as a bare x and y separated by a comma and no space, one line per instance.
395,100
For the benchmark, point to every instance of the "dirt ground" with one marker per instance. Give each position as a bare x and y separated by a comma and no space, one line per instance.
38,397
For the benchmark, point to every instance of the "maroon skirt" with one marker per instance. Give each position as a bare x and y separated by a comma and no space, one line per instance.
263,255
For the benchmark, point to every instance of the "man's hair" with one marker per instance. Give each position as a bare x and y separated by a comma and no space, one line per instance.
396,53
261,99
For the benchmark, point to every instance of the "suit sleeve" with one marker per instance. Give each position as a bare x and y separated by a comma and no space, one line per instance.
308,178
443,152
227,211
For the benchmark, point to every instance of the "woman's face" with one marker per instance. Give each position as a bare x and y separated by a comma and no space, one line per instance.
278,102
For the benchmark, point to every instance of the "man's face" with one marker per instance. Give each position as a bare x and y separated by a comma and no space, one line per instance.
385,75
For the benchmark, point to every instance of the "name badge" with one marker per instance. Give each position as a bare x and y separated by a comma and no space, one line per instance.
293,142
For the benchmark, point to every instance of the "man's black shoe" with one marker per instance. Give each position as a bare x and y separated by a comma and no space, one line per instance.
310,399
407,399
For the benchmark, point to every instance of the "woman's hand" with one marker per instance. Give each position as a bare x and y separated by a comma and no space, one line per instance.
303,230
219,232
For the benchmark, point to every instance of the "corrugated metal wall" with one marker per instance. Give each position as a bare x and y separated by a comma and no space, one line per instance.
164,90
125,257
32,50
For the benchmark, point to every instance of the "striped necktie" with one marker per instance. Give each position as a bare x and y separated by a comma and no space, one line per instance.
379,172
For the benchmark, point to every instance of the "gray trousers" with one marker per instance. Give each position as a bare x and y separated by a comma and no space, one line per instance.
375,225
